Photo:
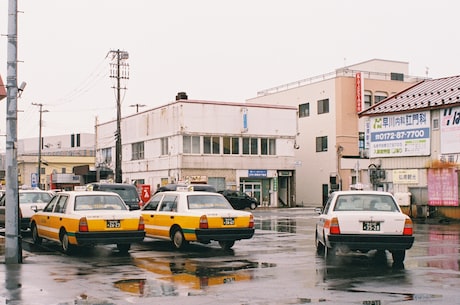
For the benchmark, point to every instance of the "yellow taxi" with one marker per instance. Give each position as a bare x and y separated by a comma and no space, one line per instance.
187,216
82,218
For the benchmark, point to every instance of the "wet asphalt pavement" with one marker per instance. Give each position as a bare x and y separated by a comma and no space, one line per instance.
278,266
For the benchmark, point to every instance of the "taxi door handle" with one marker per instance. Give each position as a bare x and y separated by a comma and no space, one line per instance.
172,217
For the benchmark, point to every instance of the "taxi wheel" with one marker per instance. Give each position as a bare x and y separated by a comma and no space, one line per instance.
35,237
66,246
123,248
226,244
178,239
319,245
253,206
398,257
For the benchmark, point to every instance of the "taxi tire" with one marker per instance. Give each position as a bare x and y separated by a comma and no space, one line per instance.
398,257
123,248
35,237
226,244
178,239
65,245
319,245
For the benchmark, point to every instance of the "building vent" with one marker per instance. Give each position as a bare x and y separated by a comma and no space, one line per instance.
181,96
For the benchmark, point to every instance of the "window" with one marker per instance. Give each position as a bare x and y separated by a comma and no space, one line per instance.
191,144
321,144
211,145
397,76
75,140
367,99
436,123
106,155
63,170
164,146
304,110
137,151
379,96
250,146
323,106
231,145
267,146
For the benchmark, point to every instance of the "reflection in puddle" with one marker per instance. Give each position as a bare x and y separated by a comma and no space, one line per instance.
443,244
189,273
277,224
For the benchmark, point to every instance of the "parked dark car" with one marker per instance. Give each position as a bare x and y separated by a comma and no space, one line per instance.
196,187
128,192
240,200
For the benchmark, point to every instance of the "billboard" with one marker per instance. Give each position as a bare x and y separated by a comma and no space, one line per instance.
399,135
450,130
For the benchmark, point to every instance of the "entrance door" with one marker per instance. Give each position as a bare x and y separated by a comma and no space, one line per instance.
252,188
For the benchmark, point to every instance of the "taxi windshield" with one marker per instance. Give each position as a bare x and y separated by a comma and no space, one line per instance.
98,202
34,197
207,202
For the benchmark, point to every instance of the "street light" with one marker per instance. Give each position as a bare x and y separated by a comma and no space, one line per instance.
39,141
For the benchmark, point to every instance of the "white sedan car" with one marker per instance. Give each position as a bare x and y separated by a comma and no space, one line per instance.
30,201
363,221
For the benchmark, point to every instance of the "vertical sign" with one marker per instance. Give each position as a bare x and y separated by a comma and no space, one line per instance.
245,119
34,180
359,92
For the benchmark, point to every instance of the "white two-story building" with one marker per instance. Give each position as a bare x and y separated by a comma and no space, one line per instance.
244,146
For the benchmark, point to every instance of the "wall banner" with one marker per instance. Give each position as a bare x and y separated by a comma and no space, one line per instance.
442,187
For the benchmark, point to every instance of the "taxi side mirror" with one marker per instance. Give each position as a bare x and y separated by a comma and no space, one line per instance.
318,211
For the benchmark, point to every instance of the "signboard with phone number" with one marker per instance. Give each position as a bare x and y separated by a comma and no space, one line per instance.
400,135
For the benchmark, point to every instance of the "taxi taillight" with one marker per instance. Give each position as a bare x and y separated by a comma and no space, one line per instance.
141,225
203,222
251,221
408,229
83,225
334,226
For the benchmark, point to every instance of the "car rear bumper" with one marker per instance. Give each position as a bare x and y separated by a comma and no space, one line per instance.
371,242
206,235
88,238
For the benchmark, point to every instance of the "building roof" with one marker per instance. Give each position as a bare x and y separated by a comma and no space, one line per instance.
425,95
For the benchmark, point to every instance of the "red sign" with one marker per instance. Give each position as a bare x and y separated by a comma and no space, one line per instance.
145,192
359,92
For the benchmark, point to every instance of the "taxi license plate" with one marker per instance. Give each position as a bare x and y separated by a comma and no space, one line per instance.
371,226
229,221
111,224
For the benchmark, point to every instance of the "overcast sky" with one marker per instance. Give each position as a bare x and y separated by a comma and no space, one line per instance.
211,49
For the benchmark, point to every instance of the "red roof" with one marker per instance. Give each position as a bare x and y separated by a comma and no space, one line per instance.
428,94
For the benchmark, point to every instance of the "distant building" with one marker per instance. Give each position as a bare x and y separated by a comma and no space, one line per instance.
414,146
59,156
332,153
244,146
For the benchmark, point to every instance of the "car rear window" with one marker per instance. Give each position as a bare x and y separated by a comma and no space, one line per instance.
207,202
365,203
98,202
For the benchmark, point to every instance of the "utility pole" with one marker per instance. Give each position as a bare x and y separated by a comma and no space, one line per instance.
13,249
40,143
119,69
137,106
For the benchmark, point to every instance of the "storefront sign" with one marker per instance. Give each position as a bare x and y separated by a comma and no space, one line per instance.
257,173
405,176
400,135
